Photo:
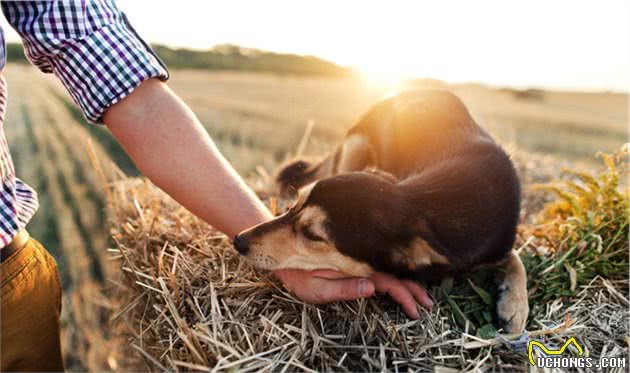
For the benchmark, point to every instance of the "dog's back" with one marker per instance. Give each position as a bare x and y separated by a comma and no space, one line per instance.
460,183
413,129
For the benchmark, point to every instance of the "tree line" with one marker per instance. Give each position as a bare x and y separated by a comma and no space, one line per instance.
228,57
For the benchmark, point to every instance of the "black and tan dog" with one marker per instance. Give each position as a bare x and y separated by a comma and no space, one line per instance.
417,189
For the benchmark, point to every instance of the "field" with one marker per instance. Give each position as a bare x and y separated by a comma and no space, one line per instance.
257,120
246,112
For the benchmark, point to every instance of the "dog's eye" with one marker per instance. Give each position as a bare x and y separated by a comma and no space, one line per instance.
310,235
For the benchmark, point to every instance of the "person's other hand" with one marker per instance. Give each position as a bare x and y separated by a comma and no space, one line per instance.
325,286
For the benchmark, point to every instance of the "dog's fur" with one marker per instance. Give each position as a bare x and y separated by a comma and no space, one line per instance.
417,189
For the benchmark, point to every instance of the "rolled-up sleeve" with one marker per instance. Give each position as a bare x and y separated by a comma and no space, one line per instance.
89,45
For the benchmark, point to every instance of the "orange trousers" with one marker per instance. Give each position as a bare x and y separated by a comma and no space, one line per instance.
31,303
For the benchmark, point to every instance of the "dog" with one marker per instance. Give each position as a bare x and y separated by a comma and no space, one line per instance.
417,189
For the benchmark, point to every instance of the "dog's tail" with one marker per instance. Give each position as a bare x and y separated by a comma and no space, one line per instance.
298,173
513,302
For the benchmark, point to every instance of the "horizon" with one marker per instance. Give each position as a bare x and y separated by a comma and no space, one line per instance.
562,45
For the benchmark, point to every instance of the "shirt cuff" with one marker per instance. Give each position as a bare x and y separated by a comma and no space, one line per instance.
105,66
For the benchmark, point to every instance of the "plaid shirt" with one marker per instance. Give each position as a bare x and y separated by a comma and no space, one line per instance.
91,47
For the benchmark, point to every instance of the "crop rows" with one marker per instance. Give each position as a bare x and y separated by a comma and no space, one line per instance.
50,154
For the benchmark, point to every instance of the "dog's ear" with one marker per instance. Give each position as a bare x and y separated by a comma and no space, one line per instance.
293,176
383,175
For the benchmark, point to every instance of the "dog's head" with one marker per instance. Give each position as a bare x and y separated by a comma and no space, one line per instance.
347,222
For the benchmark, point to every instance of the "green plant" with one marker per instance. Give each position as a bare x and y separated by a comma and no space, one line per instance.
585,228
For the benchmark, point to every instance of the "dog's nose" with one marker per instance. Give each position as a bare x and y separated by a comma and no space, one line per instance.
241,244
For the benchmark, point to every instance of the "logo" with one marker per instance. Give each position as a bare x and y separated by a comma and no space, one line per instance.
554,359
550,352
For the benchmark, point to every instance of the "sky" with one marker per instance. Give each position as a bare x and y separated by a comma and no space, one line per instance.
575,45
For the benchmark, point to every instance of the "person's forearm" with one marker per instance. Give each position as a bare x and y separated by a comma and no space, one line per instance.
169,145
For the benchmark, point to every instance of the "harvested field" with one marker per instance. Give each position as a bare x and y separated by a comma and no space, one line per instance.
51,152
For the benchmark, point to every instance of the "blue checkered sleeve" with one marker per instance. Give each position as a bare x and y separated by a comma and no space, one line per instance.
89,45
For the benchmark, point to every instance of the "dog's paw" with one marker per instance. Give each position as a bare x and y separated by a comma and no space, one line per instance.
292,176
512,309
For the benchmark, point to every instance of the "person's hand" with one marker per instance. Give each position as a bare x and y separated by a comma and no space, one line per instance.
325,286
405,292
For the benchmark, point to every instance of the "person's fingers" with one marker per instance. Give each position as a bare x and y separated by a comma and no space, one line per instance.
284,274
323,273
321,290
403,296
383,281
289,277
326,291
419,293
396,289
329,274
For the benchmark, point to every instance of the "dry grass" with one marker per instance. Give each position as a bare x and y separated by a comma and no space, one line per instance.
189,302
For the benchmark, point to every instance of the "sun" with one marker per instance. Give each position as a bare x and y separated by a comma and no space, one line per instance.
381,76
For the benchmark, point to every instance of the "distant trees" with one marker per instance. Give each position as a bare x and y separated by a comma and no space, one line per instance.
228,57
233,57
15,53
532,94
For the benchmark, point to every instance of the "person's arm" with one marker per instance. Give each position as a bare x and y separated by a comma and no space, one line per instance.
169,146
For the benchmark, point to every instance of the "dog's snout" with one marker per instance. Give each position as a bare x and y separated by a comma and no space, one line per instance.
241,243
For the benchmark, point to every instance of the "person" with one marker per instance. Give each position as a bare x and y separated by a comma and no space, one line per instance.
117,80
